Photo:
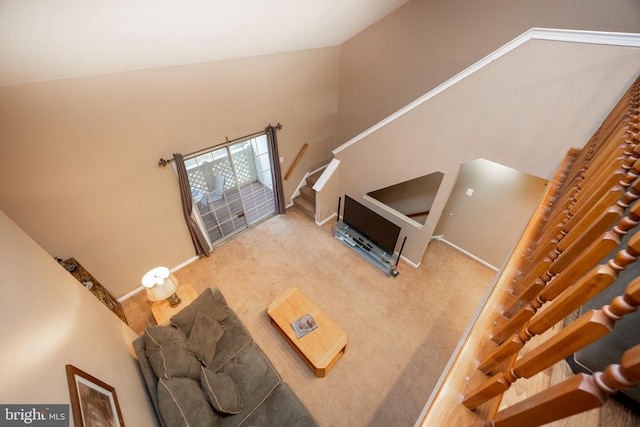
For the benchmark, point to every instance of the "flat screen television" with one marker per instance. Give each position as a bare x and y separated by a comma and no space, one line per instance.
374,227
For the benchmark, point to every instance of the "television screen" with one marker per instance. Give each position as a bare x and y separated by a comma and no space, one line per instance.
374,227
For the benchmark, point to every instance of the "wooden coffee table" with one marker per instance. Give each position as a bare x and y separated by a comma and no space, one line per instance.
320,348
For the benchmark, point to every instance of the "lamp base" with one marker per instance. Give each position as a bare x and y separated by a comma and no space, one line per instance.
174,300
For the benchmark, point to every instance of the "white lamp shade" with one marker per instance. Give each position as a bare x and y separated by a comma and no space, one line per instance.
160,284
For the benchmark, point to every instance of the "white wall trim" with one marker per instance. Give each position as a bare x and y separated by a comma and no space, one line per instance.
329,170
141,288
130,294
184,264
469,254
303,182
327,219
573,36
411,263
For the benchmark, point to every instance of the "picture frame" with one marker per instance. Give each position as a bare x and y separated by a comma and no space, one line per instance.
93,402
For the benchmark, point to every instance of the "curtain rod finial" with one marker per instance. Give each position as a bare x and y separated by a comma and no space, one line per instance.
163,162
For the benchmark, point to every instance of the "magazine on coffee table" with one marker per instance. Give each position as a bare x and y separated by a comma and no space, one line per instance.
304,325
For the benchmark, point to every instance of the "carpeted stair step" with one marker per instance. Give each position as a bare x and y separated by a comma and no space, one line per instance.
308,193
305,206
311,179
306,201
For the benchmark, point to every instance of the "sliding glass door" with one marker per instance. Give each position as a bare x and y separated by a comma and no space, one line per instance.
232,187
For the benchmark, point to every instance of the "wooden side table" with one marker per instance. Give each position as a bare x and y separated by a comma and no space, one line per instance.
162,311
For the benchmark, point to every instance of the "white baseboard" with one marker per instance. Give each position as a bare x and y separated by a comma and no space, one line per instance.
411,263
184,264
327,219
130,294
470,255
141,288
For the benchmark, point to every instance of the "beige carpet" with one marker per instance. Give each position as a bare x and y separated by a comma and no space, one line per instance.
401,330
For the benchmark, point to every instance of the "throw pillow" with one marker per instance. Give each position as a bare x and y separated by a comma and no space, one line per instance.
203,338
182,403
221,391
166,353
205,303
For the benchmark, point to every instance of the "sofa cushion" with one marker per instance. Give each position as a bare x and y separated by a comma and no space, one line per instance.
221,391
166,353
203,338
282,408
255,377
205,303
183,404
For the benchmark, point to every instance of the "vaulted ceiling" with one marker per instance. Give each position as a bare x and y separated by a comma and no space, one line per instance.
46,40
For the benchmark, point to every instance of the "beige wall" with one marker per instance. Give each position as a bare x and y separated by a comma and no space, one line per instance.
78,158
490,221
426,42
524,110
50,320
411,197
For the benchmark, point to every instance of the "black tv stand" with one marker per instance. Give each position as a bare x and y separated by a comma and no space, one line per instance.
365,248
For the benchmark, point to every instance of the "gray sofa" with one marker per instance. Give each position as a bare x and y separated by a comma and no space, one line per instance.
206,370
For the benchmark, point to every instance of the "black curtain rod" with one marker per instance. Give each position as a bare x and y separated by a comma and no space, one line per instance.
165,162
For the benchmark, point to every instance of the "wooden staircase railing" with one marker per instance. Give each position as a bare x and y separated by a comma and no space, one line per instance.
579,393
578,242
296,161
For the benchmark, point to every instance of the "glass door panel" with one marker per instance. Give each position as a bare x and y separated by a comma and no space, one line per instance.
257,187
211,178
232,187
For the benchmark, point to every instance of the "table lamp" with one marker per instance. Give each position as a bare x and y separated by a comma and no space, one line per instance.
161,284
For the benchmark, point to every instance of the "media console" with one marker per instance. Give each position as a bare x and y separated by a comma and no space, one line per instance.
367,249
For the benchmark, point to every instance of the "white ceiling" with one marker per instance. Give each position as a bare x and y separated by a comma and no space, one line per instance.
53,39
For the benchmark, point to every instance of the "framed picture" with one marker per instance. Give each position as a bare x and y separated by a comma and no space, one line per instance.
93,402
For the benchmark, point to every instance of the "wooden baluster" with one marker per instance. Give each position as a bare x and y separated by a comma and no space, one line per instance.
578,215
550,196
548,250
578,394
594,188
581,228
587,286
589,328
600,177
599,277
576,163
597,141
582,260
594,253
576,231
606,220
552,267
599,199
552,200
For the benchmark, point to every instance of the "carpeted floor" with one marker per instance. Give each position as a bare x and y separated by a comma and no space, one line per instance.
401,330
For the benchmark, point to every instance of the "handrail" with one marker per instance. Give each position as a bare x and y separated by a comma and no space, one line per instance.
296,161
